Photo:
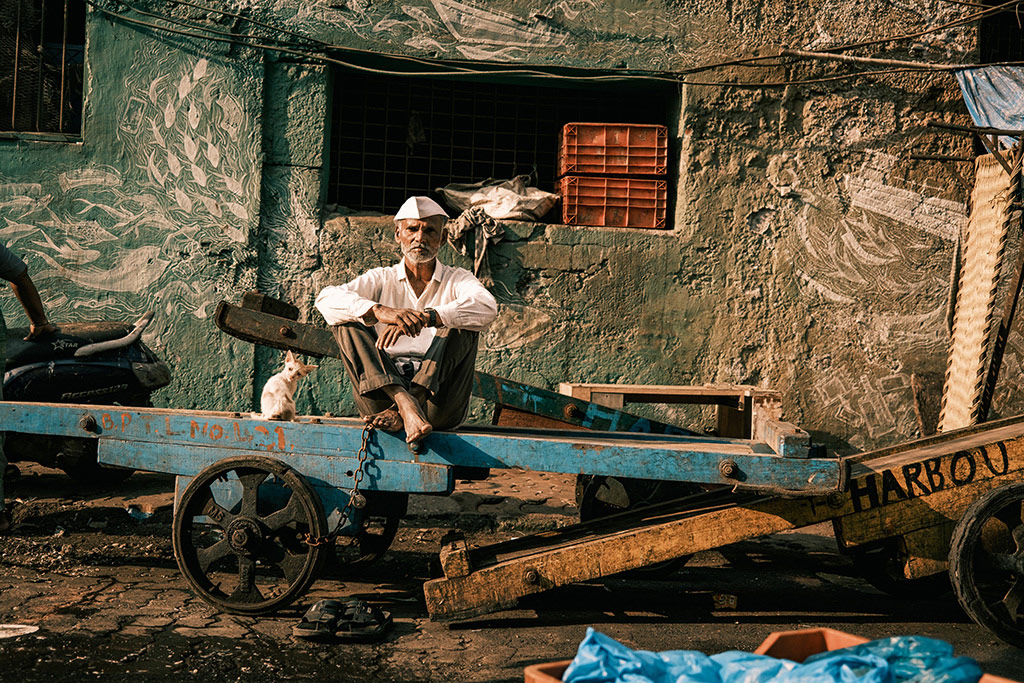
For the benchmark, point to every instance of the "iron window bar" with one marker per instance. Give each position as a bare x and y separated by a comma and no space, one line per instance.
42,60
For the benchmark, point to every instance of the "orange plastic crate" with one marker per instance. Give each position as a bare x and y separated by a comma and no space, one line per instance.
614,202
794,645
613,148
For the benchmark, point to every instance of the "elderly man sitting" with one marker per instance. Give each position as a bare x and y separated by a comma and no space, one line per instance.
409,333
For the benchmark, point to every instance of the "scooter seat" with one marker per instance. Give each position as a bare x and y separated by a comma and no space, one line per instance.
71,337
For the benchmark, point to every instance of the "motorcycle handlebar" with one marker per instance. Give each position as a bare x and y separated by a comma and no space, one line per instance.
128,339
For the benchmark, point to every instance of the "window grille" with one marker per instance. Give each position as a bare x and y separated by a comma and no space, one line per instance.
393,137
1000,38
42,55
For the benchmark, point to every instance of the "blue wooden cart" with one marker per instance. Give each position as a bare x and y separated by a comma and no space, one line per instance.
259,504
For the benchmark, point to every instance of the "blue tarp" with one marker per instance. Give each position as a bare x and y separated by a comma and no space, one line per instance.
994,96
910,659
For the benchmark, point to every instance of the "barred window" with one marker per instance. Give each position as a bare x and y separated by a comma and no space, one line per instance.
394,136
42,55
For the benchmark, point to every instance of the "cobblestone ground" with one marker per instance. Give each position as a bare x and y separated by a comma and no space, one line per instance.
95,572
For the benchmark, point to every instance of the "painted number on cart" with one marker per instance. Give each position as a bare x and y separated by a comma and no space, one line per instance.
109,423
214,432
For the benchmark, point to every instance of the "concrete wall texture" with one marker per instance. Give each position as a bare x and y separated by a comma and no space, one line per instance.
808,253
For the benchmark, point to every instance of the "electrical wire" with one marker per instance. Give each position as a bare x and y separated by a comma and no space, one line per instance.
951,24
323,44
808,81
248,19
388,72
195,27
668,77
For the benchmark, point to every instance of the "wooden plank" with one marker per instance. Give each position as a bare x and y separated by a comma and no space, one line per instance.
500,585
735,421
655,392
784,438
976,435
511,417
730,395
998,343
608,399
257,301
276,332
983,249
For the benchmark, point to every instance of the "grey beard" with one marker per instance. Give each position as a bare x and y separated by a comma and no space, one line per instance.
417,257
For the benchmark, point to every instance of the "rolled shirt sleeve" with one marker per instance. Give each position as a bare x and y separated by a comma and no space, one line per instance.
350,302
473,308
11,266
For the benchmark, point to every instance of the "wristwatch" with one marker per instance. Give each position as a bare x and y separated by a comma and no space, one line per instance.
434,319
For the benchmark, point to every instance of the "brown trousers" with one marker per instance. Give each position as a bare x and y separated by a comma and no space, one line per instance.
446,373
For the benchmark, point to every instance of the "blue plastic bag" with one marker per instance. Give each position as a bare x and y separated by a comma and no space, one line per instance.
915,659
905,659
601,659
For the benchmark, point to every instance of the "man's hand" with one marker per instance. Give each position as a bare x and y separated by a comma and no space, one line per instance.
40,331
408,320
389,336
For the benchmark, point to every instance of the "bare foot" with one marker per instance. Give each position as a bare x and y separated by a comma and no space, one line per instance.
388,420
416,426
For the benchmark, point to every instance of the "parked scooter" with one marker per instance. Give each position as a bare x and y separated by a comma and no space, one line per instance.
102,363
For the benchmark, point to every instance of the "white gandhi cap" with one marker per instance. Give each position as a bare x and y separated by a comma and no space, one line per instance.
419,207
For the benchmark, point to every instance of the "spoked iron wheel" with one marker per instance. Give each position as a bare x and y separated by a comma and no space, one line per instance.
986,562
383,515
240,535
882,567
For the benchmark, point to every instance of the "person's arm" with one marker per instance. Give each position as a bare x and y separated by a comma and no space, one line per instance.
473,308
352,301
356,301
26,292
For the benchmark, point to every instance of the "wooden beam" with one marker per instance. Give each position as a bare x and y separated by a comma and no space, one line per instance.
977,130
874,61
501,584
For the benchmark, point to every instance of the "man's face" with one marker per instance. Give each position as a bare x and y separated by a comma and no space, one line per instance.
420,238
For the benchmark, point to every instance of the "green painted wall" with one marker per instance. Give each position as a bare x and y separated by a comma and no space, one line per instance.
807,253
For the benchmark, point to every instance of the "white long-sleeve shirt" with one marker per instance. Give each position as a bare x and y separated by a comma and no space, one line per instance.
458,297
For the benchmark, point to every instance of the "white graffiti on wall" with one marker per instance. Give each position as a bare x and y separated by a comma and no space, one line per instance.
936,216
880,249
141,236
874,408
472,30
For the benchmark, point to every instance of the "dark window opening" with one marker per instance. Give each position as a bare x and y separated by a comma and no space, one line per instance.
393,137
1000,37
42,58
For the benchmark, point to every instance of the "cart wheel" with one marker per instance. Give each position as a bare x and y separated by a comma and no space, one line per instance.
882,567
600,496
240,532
384,513
986,562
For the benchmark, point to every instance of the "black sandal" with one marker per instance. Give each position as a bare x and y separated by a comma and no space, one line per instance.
362,623
319,621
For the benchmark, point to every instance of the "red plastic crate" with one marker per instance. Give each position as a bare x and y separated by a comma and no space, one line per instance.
614,202
607,148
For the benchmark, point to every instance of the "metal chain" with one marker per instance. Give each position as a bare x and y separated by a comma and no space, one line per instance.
356,500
